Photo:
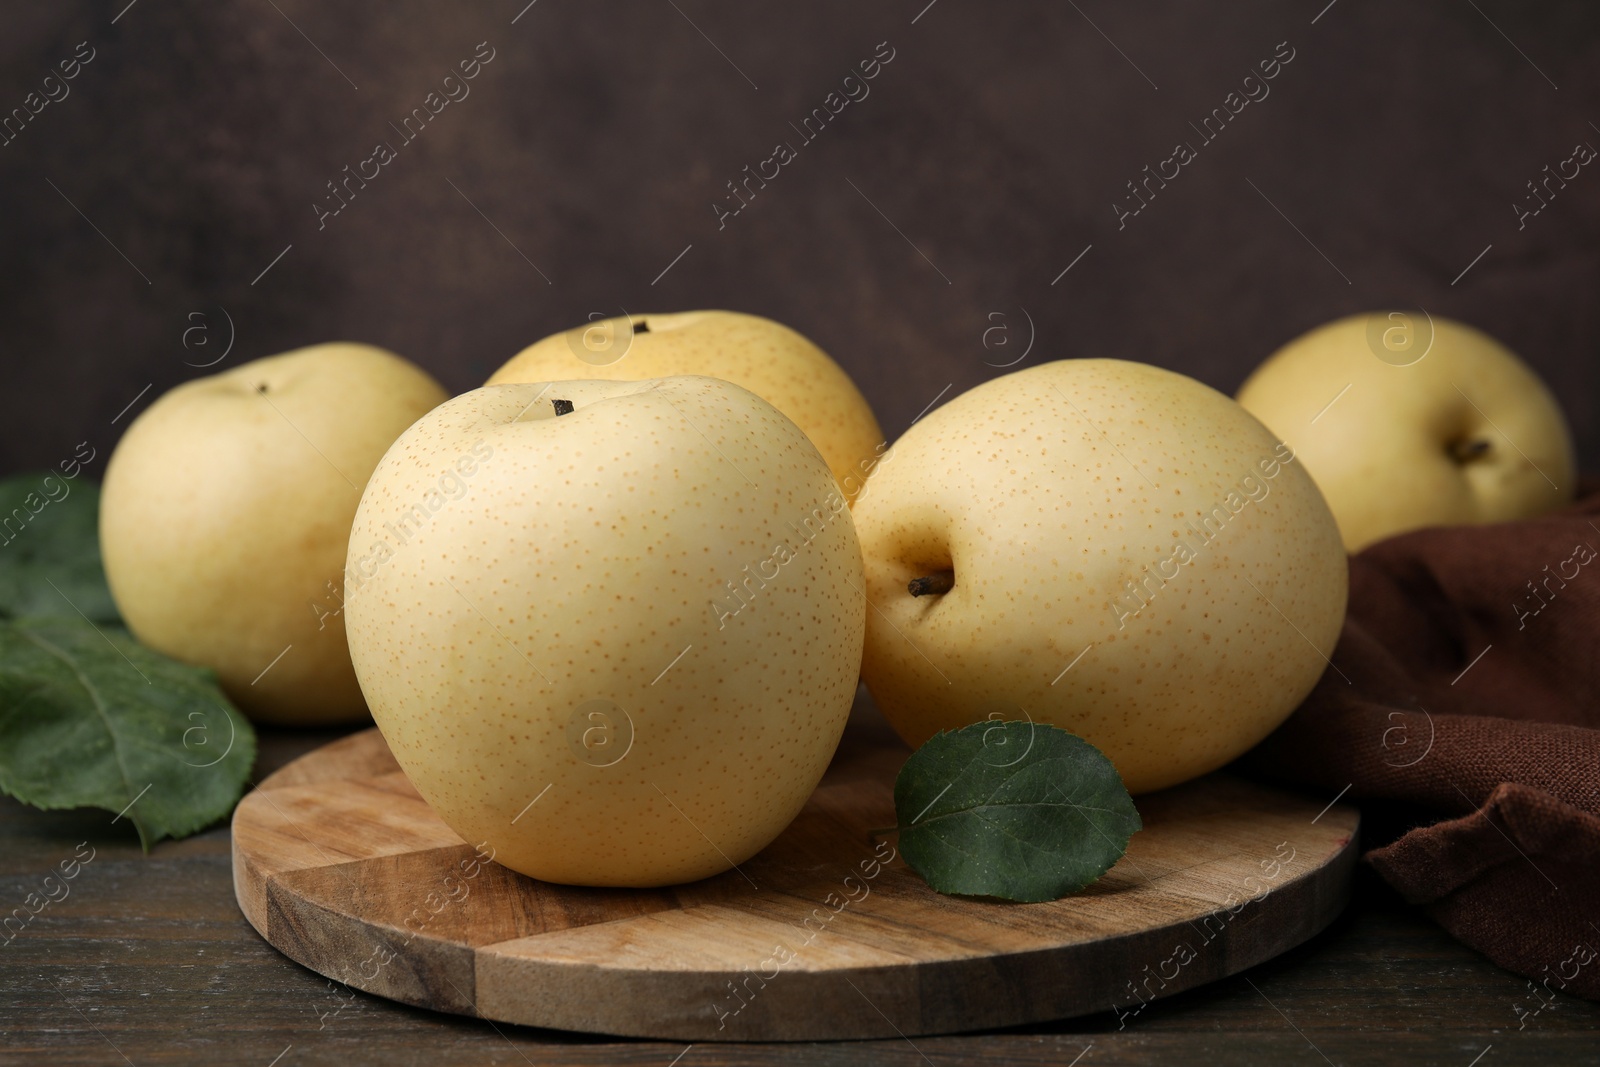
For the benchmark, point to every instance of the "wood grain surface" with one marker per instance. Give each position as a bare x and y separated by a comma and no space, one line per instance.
151,962
824,935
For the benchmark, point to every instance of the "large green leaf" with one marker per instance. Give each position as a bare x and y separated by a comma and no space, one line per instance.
1016,810
91,718
50,548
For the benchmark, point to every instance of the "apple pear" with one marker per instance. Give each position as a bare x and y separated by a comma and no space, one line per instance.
226,511
621,647
1408,421
1107,547
767,358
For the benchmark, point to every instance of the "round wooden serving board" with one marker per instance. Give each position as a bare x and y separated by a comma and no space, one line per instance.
342,866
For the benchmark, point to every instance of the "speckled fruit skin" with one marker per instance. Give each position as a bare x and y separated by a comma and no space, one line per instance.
1047,492
226,513
767,358
1382,452
588,559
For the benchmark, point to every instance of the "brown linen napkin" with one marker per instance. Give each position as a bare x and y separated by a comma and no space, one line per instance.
1465,683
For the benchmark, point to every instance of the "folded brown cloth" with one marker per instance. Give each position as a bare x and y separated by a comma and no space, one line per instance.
1466,684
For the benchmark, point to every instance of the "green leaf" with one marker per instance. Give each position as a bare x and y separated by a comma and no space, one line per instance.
91,718
50,548
1016,810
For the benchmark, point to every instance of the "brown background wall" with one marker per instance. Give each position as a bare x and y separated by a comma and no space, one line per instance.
600,134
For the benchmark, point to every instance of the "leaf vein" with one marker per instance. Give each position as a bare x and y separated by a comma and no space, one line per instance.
94,697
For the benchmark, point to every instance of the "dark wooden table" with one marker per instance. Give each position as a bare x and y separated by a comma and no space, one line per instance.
148,961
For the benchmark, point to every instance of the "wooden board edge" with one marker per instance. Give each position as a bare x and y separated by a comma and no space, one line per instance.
249,887
423,971
946,997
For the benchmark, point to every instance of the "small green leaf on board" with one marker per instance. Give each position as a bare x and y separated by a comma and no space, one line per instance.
1021,811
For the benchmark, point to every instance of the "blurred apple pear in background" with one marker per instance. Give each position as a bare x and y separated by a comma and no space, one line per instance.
1406,420
226,512
767,358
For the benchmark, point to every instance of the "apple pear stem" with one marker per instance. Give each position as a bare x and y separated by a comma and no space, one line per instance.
563,407
1465,451
937,582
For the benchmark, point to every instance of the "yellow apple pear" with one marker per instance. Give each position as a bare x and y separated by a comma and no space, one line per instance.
611,629
226,511
767,358
1109,547
1407,420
